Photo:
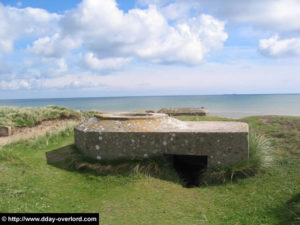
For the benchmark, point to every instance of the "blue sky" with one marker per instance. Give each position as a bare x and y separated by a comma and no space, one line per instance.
87,48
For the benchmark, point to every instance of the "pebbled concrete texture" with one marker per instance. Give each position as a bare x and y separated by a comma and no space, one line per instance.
129,135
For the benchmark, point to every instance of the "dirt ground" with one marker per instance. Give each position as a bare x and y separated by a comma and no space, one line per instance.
19,133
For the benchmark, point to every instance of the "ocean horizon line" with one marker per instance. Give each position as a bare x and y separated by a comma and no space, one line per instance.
225,105
135,96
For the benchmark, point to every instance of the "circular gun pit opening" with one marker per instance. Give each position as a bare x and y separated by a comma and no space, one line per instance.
131,116
135,114
189,168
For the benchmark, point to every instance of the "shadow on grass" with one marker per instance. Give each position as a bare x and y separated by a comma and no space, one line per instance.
69,158
161,167
289,213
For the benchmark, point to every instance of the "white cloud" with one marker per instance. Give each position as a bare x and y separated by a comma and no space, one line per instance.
274,47
108,32
205,79
274,15
98,36
267,17
62,66
14,85
279,15
56,67
106,38
175,11
54,46
20,23
187,42
68,81
6,45
92,62
179,10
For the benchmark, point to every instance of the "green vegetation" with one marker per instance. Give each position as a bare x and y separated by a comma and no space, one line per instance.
89,113
148,191
259,158
284,131
15,116
69,158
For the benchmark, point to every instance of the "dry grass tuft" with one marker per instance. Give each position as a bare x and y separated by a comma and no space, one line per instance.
260,157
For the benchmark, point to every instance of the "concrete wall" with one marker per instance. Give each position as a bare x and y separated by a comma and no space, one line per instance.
222,148
5,131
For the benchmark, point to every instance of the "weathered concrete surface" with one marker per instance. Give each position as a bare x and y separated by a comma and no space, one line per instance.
108,137
145,111
5,131
184,111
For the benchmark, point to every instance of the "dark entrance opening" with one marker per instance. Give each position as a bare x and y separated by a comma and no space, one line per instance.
189,168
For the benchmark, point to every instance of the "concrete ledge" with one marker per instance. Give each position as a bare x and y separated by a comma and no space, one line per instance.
5,131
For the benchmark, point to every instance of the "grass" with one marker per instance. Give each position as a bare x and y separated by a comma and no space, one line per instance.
260,157
143,194
283,130
70,159
15,116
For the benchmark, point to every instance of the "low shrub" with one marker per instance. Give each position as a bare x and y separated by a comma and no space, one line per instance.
15,116
260,156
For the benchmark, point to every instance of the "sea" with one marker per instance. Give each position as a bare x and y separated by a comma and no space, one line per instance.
231,106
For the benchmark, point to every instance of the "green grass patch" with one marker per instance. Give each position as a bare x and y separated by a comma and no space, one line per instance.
70,159
90,113
284,132
15,116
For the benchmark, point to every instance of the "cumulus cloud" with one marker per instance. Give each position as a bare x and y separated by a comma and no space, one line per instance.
272,17
176,10
268,17
15,84
187,42
54,67
62,82
72,49
92,62
54,46
46,67
279,15
275,47
108,32
21,23
99,37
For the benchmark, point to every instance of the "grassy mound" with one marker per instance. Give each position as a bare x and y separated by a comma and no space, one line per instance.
14,116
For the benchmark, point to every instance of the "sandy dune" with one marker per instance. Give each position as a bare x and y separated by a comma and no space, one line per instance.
20,133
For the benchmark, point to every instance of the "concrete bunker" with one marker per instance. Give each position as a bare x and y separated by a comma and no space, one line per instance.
133,135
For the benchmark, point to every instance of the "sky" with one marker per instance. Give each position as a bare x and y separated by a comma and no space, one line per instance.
94,48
